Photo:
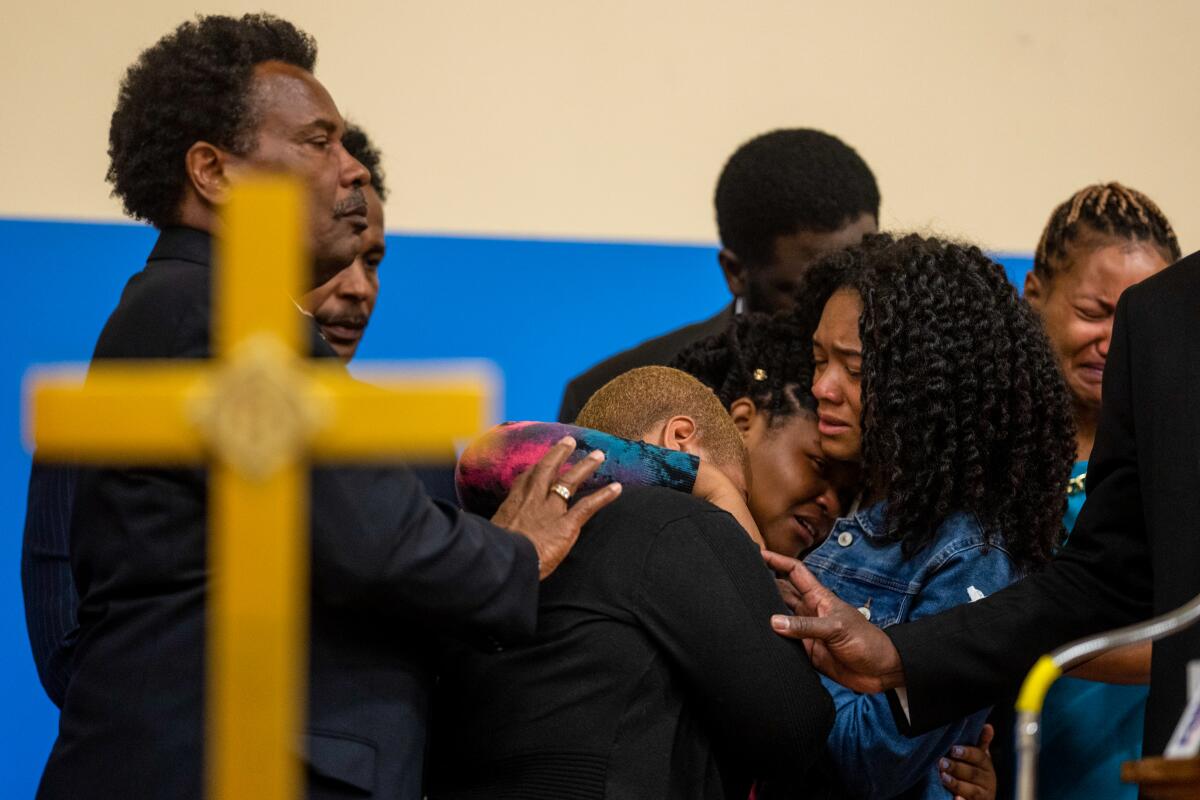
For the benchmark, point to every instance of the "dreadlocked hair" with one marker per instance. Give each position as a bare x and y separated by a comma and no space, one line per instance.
963,404
1108,209
758,356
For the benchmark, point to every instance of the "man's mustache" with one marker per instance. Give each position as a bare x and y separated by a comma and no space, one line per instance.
344,320
353,204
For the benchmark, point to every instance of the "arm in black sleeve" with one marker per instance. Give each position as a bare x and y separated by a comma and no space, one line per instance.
970,656
46,581
381,544
703,595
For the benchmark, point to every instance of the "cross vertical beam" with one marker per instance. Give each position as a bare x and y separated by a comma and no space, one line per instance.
258,515
257,414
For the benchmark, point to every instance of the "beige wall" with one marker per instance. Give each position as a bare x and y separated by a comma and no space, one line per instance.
612,119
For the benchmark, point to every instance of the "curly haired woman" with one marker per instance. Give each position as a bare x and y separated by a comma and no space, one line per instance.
935,378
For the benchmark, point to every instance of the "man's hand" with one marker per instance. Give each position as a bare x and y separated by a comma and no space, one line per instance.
534,510
839,640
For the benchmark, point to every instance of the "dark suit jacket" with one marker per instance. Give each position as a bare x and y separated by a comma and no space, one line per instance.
1135,548
653,673
652,352
388,567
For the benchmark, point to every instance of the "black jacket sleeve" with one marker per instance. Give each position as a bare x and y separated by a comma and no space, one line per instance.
46,581
705,597
380,543
972,655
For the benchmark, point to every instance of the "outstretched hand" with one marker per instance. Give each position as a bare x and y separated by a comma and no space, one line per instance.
839,640
536,510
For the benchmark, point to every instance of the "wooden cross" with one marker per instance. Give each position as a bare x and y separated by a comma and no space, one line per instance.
258,414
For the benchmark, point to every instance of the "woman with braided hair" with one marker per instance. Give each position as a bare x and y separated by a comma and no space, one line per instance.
1099,242
934,377
761,375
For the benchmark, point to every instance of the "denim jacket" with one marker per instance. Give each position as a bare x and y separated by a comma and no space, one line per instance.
863,567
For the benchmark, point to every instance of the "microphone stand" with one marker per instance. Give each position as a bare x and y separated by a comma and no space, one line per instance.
1050,667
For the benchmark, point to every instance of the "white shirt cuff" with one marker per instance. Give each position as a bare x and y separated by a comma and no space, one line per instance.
902,697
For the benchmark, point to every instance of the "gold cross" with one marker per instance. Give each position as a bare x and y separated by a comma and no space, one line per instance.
258,413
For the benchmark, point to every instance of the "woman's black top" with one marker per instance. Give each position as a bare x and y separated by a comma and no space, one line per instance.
654,672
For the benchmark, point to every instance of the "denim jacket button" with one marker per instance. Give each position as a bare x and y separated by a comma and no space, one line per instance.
845,538
866,612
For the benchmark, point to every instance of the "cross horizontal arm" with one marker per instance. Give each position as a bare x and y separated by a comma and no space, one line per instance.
414,419
123,413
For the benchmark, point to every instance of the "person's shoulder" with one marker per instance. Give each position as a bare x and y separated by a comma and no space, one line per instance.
656,504
170,281
648,353
648,513
157,307
651,352
963,542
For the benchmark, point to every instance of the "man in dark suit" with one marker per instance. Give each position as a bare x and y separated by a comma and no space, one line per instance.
216,98
341,307
1134,550
783,199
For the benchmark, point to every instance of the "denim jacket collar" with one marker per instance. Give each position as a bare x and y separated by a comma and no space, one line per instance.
872,520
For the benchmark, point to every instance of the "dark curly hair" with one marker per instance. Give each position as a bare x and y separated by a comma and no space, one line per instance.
191,85
758,356
1108,209
963,405
360,146
790,180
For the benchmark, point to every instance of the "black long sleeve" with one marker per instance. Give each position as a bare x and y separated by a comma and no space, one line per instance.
46,581
705,597
653,672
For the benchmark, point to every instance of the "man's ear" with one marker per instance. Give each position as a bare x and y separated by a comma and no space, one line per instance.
734,270
679,433
1035,290
208,171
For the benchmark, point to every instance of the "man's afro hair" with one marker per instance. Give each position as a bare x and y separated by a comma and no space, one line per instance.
786,181
192,85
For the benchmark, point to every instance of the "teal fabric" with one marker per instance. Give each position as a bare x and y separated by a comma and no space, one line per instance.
1089,728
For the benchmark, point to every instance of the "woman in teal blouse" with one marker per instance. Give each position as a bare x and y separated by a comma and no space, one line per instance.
1100,241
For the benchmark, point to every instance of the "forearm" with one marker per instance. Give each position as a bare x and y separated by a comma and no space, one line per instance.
51,600
50,618
705,608
973,655
487,469
1126,665
381,545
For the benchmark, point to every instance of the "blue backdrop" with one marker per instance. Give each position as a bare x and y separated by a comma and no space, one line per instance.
541,310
